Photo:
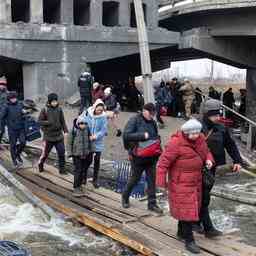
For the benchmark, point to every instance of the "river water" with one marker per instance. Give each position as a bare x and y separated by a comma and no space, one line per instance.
27,225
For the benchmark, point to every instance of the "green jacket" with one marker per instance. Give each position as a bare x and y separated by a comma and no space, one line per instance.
52,123
78,143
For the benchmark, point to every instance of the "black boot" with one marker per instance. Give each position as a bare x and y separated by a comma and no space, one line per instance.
125,202
192,247
41,167
212,233
180,234
155,208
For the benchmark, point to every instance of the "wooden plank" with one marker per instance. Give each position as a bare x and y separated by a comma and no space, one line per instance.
66,194
223,246
88,221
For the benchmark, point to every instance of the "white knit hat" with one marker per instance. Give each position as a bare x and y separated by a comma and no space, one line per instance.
95,85
191,126
107,91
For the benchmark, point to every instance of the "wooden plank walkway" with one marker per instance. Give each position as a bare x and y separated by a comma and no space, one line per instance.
137,228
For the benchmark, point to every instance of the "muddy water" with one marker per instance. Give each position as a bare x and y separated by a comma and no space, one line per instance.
22,223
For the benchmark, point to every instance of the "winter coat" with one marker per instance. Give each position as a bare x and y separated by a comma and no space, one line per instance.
182,162
97,94
53,123
13,116
98,126
187,89
3,98
228,99
134,132
163,96
78,142
85,85
219,141
110,102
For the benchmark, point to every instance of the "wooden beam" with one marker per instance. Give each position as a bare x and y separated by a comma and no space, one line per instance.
84,219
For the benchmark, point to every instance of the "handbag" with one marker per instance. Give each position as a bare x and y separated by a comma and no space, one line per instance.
150,148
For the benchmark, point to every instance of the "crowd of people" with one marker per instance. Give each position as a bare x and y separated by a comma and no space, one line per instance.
198,145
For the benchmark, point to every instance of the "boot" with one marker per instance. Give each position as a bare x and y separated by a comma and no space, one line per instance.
180,234
118,133
155,208
192,247
78,192
41,167
63,172
212,233
19,159
95,184
125,203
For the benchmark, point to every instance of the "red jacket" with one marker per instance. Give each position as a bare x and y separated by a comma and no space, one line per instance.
183,165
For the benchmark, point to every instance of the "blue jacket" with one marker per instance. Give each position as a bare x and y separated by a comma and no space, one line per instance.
13,116
163,96
98,125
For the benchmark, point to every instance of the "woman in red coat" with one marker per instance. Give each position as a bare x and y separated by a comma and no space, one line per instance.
183,159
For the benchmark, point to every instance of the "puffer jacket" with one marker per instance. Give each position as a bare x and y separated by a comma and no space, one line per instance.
182,162
53,123
134,132
98,125
13,115
78,143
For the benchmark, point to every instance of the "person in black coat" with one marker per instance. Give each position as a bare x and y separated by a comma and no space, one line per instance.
141,128
85,83
229,101
219,142
13,114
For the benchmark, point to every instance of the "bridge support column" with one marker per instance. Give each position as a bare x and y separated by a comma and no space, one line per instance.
96,13
36,11
67,13
251,103
5,11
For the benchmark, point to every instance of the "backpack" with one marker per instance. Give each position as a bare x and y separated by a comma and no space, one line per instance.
32,129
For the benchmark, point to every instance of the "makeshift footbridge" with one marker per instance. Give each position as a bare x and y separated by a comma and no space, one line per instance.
100,210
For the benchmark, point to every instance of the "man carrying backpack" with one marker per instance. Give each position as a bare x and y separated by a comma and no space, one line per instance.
79,147
142,141
53,125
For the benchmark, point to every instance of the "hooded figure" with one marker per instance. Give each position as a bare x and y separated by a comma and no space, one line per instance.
53,125
97,122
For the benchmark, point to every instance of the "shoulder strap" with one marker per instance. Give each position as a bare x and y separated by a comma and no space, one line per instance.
208,134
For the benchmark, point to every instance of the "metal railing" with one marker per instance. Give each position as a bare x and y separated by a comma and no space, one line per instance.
163,3
251,123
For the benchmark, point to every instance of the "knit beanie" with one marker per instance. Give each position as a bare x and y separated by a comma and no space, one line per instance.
12,95
191,126
150,107
52,97
211,107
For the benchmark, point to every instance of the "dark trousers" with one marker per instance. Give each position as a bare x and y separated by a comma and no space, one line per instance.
16,149
205,218
137,171
85,102
60,148
185,230
81,168
158,113
96,167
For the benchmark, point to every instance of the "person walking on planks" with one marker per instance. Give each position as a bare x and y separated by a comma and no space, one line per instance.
79,147
142,141
182,161
96,119
219,141
13,114
53,125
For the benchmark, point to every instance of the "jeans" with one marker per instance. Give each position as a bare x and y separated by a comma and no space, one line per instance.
81,167
60,148
16,149
137,171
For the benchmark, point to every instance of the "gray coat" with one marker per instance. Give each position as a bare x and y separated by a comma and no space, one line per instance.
78,143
